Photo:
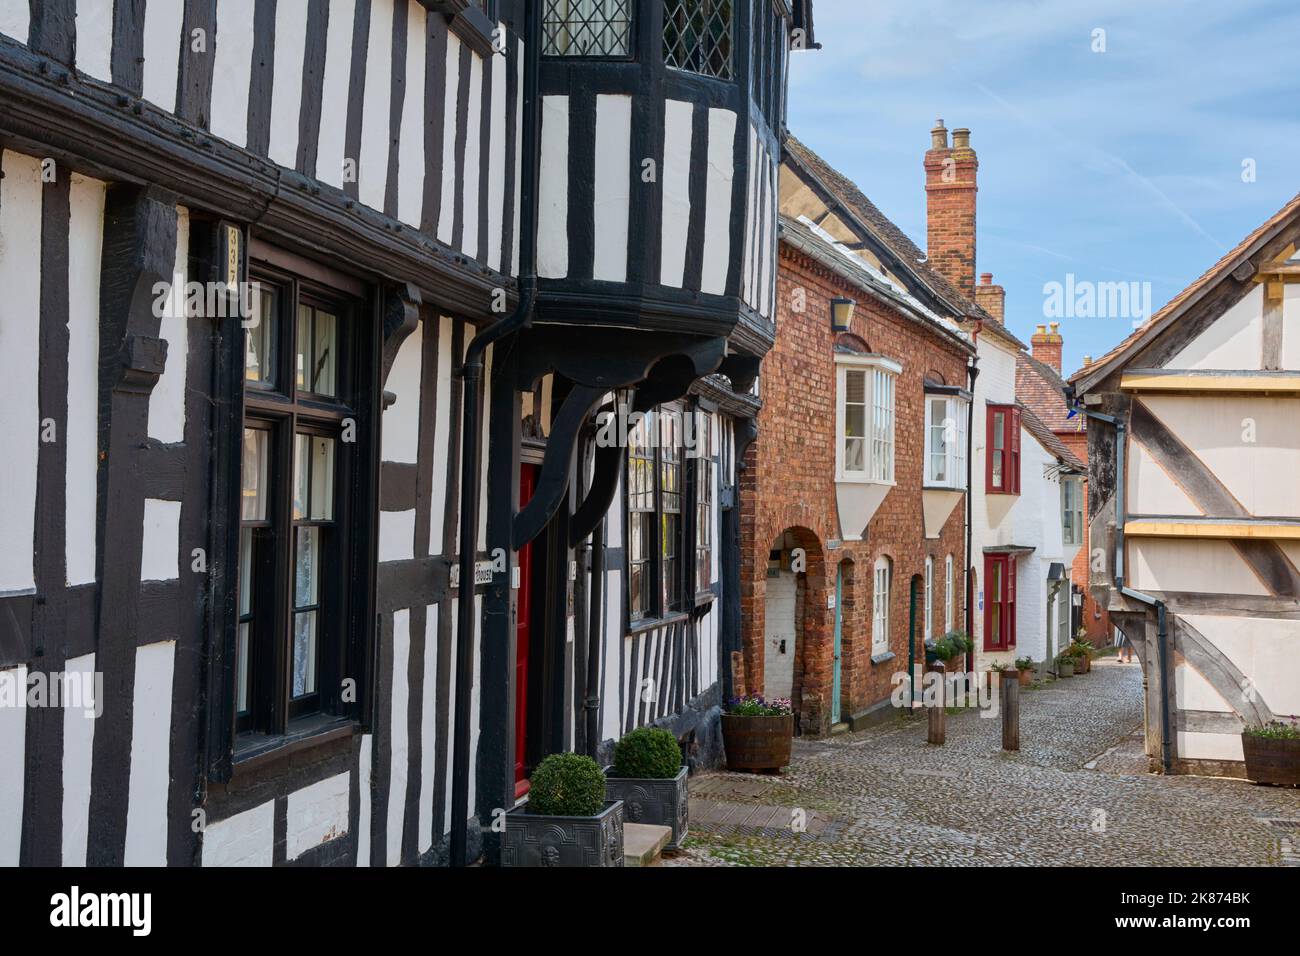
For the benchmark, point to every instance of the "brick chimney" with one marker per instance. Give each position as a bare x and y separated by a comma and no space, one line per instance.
950,187
991,298
1046,345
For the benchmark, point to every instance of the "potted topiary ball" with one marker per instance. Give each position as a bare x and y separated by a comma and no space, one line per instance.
648,776
567,820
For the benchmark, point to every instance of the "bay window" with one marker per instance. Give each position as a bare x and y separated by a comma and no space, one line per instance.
1002,439
865,418
999,602
945,441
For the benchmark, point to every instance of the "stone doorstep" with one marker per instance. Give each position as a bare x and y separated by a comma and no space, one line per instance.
643,842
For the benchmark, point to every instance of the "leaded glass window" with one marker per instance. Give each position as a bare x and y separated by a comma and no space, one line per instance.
587,28
698,36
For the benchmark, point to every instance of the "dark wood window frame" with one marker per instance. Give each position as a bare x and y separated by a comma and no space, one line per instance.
666,597
704,492
275,720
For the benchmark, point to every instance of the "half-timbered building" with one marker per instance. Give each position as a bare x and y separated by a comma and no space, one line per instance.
1193,448
300,298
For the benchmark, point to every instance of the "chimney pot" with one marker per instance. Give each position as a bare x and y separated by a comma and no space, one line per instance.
1042,330
939,135
986,278
1055,327
1087,360
961,138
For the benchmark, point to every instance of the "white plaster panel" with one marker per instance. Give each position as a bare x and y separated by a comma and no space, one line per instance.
1263,649
159,558
232,70
410,155
151,734
451,91
13,756
401,437
372,171
470,195
397,724
286,89
246,839
675,177
717,217
1177,564
1201,746
85,242
94,38
397,535
317,814
553,202
78,755
338,74
163,23
167,400
612,186
1234,341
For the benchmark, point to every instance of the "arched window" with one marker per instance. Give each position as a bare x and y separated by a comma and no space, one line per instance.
880,606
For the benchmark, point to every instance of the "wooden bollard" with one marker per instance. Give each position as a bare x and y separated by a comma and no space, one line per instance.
938,715
1011,712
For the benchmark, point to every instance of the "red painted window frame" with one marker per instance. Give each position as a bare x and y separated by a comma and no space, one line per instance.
1006,639
1010,484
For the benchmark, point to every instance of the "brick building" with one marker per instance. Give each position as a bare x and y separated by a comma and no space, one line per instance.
853,496
1040,387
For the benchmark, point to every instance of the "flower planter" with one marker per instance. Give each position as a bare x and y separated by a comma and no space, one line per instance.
1273,760
757,743
1065,668
655,801
1082,665
1026,677
532,839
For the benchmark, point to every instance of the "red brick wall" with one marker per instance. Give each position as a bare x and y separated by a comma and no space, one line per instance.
1095,618
788,484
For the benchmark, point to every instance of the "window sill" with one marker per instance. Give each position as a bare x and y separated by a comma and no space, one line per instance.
255,751
883,658
843,479
650,624
1007,494
936,486
704,598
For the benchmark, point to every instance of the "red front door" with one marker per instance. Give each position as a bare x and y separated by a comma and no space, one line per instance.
524,605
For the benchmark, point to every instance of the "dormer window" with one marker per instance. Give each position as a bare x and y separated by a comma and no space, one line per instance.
587,28
697,36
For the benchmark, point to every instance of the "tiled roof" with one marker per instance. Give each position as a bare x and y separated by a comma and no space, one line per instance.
1041,389
1212,275
851,197
1048,440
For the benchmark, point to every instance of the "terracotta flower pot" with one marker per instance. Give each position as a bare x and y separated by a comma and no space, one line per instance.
757,743
1273,760
1026,678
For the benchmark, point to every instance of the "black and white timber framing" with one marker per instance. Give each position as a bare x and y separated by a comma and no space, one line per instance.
373,149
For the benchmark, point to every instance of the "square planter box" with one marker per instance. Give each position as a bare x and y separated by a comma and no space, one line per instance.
659,802
1272,760
757,743
532,839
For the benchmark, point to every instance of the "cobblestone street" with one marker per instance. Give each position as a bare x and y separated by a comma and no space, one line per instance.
1076,794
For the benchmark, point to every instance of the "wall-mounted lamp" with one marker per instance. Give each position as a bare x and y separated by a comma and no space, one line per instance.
842,313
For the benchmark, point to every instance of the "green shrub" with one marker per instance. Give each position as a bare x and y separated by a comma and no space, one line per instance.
567,785
1024,663
1276,730
648,752
945,650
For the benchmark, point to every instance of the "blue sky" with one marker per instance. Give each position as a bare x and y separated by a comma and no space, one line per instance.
1117,166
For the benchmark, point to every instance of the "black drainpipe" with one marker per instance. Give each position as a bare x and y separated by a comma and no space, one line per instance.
595,638
472,408
1162,622
972,373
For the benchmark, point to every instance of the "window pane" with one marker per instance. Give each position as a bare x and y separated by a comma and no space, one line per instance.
306,573
253,493
241,669
322,478
303,346
301,475
259,338
245,571
855,454
855,420
325,351
304,653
